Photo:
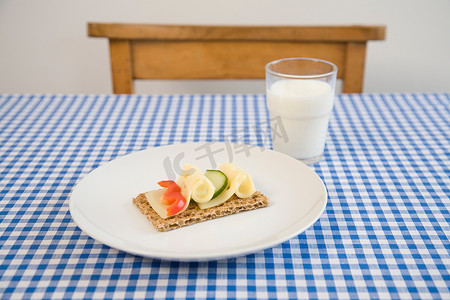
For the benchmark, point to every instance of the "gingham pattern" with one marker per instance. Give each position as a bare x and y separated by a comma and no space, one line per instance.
384,233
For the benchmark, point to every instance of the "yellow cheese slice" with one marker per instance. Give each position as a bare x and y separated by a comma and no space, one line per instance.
195,185
239,183
154,198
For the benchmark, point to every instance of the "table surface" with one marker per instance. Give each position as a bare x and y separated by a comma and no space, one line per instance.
384,233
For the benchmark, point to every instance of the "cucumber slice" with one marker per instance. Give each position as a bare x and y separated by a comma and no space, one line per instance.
218,179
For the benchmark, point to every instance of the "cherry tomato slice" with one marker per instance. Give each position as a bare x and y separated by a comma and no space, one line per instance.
177,206
170,183
173,197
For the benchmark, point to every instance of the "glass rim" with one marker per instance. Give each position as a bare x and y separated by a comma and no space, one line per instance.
334,68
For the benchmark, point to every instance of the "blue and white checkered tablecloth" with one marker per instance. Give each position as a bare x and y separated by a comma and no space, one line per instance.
384,233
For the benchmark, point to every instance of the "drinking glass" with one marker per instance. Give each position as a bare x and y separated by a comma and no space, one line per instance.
300,97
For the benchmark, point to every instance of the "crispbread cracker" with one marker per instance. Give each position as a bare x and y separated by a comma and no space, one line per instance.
193,214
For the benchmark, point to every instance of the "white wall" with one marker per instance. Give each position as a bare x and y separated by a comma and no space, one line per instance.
44,46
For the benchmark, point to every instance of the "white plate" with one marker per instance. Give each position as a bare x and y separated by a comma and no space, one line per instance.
101,203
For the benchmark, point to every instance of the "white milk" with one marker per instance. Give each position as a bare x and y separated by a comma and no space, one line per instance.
303,107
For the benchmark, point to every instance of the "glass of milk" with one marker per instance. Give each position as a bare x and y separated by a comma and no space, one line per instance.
300,97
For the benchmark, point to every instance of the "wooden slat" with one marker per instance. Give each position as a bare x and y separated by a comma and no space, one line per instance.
221,60
354,68
281,33
121,66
